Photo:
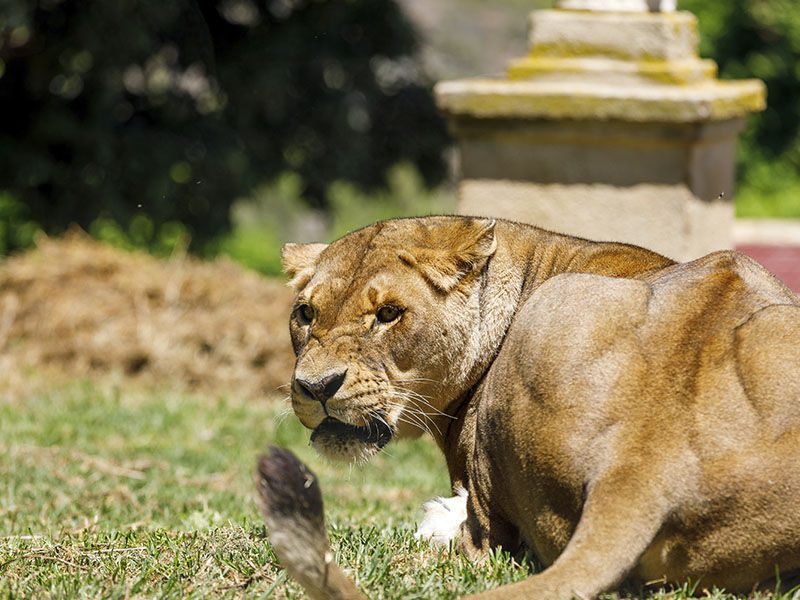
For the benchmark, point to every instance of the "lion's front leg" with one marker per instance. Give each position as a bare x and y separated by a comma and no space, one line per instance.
462,519
443,518
484,529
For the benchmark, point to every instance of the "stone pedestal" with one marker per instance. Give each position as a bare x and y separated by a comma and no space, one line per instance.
611,128
619,5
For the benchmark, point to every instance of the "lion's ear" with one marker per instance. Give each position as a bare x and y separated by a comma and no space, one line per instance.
300,262
452,250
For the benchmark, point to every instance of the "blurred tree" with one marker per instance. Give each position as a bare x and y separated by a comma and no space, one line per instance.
761,38
152,112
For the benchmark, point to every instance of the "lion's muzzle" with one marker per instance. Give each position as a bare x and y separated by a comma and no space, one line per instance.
376,431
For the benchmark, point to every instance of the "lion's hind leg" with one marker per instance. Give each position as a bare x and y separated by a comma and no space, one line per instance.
767,350
623,513
768,364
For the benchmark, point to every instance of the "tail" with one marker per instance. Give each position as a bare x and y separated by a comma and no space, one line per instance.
291,502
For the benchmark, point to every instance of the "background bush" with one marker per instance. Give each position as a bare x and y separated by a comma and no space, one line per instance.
142,119
761,38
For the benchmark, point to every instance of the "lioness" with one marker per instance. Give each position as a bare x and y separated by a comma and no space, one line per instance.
617,414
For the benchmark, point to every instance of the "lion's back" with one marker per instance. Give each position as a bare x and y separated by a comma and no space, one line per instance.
677,330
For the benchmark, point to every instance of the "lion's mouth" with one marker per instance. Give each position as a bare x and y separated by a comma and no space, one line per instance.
375,431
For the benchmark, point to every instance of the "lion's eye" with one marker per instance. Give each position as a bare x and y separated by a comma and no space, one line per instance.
388,313
306,313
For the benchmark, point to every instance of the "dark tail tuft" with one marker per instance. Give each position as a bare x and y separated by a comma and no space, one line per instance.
292,505
289,489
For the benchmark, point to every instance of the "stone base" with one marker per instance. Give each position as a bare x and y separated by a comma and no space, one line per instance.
619,5
611,128
656,47
699,157
588,100
628,36
666,218
621,72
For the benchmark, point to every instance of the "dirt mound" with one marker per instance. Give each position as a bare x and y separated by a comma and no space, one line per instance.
78,307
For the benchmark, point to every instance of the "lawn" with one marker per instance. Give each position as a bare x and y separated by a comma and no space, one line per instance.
111,493
116,493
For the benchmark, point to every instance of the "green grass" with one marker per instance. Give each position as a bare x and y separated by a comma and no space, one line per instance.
113,493
106,493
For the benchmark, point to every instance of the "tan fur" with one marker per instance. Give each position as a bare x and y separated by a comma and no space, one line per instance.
617,414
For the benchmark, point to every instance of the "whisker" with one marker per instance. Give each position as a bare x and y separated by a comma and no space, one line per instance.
382,420
421,426
409,408
375,415
415,396
415,418
418,380
281,417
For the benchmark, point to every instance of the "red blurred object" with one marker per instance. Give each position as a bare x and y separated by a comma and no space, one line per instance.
783,261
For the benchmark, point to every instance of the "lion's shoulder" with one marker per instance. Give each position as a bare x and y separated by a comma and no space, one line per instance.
697,301
581,311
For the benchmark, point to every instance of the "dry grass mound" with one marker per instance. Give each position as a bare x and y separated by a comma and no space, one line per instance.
79,308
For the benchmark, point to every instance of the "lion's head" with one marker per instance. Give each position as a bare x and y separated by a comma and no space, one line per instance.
386,328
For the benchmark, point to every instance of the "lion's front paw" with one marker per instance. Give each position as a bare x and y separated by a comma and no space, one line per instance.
443,518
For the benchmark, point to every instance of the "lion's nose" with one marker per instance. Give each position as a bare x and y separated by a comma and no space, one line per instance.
323,389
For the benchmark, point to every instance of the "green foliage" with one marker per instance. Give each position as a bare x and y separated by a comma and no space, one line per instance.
142,233
771,190
170,111
16,229
761,38
406,194
277,213
257,249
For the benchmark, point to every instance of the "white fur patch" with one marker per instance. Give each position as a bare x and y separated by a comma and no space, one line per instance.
443,518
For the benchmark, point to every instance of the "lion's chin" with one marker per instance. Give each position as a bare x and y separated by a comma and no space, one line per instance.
341,441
